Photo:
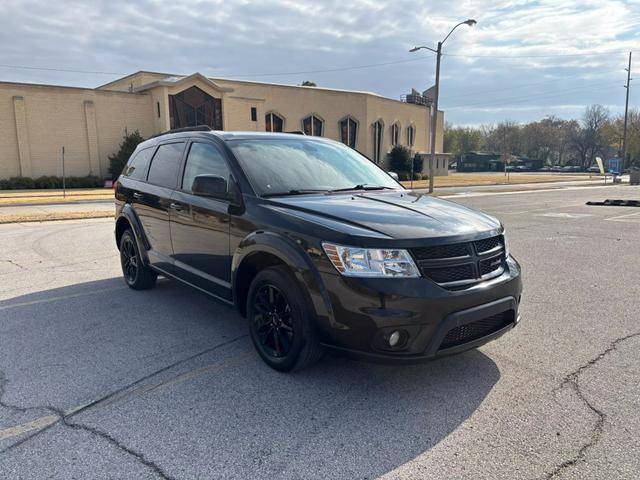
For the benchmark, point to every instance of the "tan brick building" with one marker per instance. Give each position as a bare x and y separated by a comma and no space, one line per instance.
36,121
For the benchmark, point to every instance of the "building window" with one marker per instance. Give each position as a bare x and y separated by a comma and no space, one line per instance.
349,131
193,107
313,125
378,129
158,107
395,134
254,114
411,135
273,122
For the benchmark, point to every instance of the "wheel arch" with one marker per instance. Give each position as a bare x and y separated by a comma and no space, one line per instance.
129,219
261,250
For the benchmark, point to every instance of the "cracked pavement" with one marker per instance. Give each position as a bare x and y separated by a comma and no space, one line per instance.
98,381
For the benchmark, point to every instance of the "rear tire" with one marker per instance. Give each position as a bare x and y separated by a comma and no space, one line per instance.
136,274
281,323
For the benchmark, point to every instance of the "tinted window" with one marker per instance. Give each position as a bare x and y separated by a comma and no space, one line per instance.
204,158
165,165
278,166
137,166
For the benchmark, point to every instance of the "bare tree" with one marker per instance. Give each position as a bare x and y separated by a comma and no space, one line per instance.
590,139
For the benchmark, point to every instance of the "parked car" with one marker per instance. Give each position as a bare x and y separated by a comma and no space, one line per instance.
594,169
557,168
545,169
316,245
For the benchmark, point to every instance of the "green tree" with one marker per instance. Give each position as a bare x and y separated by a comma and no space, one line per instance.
309,83
118,160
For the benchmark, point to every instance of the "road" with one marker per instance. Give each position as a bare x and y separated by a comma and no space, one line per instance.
99,381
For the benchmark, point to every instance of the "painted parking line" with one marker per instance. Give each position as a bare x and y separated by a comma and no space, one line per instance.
564,215
61,297
629,217
48,420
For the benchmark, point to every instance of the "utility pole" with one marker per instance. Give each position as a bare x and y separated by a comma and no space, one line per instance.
626,113
434,113
434,119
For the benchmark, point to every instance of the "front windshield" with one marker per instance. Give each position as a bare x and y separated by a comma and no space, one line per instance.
281,166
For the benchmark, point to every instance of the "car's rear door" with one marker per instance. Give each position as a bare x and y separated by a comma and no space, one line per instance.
152,203
200,225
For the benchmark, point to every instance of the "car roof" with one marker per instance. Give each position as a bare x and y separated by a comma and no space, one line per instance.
228,136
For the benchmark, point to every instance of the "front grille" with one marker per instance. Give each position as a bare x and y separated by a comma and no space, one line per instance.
488,244
457,273
475,330
461,265
442,251
490,265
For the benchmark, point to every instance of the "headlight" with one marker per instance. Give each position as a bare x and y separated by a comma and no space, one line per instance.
371,262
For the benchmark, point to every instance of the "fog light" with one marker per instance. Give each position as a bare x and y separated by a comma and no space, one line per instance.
394,338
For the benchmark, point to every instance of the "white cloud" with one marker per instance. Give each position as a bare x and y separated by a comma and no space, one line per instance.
234,37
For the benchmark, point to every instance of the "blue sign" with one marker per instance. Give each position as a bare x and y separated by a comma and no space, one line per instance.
615,165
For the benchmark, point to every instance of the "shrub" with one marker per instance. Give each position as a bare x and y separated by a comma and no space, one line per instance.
48,181
399,159
417,176
118,160
18,183
403,176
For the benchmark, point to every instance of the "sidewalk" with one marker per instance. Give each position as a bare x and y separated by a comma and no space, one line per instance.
68,211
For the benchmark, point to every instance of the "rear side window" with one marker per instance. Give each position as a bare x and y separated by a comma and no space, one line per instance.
204,158
165,165
138,165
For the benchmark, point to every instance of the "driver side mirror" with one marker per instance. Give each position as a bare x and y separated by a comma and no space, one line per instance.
394,175
212,186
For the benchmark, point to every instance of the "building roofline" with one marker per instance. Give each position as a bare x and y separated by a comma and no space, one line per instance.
66,87
253,82
134,74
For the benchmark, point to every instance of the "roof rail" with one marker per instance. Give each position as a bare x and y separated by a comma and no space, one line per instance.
198,128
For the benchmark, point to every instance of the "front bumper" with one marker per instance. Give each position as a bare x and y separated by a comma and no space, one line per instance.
363,311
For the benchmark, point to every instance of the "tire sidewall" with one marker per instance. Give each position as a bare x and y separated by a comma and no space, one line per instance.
289,287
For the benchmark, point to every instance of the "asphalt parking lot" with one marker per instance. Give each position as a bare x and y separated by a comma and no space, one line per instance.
99,381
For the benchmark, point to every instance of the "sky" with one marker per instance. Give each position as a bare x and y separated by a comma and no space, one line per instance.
524,60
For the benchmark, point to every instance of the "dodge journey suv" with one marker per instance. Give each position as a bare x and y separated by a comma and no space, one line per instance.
318,247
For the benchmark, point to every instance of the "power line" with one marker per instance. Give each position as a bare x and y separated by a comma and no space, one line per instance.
65,70
526,98
515,87
584,54
264,74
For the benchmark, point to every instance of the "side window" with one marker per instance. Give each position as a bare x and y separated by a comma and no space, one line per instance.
138,165
204,159
165,165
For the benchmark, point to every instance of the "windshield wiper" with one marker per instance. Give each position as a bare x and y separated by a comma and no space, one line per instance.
295,191
362,186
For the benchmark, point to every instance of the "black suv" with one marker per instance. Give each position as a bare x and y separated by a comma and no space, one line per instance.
316,245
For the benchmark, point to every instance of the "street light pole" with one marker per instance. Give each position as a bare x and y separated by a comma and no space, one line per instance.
626,112
434,114
434,119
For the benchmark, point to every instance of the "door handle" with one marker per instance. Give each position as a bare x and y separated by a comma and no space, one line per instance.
137,195
175,206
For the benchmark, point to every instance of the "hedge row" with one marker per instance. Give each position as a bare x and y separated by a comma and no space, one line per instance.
406,176
46,181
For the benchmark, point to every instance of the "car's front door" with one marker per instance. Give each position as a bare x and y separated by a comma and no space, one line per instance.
152,203
200,225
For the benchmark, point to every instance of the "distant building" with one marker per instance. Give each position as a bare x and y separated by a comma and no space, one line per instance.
36,121
480,162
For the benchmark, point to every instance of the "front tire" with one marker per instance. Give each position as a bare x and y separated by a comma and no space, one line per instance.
281,323
136,274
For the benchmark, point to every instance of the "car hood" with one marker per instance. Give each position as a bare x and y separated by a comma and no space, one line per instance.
398,214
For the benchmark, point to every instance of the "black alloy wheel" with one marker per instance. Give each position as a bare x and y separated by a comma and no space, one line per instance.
272,321
281,323
136,274
129,260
